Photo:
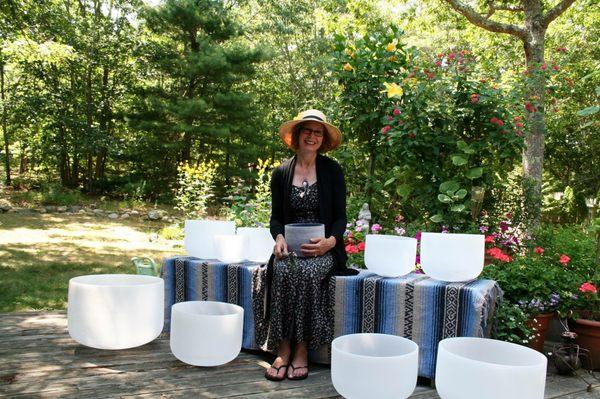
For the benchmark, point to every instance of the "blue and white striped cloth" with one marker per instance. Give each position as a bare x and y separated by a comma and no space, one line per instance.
412,306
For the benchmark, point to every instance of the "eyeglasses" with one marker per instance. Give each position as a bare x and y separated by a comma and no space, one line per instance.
308,131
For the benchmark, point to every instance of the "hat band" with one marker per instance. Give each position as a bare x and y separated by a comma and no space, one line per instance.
309,117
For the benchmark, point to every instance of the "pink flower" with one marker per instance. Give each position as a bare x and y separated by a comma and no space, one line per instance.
497,253
389,118
543,67
399,218
385,129
418,259
376,228
418,235
396,112
438,63
564,259
489,238
539,250
588,288
351,249
555,67
475,98
361,246
519,124
400,231
451,56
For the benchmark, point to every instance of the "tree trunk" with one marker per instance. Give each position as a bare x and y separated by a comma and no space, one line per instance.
4,125
89,110
533,154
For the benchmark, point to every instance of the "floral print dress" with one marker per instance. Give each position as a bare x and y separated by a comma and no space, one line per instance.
301,293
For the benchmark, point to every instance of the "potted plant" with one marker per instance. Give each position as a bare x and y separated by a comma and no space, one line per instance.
533,282
583,308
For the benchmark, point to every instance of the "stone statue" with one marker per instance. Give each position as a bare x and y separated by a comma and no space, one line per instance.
365,215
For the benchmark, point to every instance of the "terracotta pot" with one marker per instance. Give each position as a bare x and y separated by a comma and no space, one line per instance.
540,323
588,337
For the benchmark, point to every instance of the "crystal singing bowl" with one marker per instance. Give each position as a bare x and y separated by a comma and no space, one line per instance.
115,311
452,257
390,256
199,236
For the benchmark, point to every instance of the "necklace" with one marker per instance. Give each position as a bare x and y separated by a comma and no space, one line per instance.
305,187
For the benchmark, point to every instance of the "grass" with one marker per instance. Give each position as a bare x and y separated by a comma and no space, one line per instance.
40,252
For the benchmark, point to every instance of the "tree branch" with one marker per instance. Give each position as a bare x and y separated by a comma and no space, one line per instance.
556,11
484,22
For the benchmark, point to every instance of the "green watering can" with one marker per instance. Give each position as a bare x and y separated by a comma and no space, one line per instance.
146,266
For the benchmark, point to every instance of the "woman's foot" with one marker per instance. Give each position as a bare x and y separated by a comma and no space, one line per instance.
279,368
298,370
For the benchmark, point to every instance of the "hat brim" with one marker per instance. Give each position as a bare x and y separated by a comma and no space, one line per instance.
333,133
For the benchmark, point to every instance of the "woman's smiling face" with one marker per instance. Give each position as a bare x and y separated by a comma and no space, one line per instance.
311,136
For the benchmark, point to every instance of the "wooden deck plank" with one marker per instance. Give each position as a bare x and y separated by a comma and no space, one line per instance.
39,359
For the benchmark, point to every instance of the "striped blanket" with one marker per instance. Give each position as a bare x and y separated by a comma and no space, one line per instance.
413,306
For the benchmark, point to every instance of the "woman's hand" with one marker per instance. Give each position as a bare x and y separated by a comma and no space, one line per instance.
318,246
280,246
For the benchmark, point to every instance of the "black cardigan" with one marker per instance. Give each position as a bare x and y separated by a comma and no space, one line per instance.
332,202
332,211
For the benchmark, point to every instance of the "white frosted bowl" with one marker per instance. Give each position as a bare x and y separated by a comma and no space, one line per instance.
374,366
452,257
260,243
230,248
390,256
206,333
198,240
115,311
476,368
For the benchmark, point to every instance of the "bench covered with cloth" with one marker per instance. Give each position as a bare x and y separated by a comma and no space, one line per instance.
412,306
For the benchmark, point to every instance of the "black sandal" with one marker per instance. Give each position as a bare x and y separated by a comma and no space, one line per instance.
301,376
275,377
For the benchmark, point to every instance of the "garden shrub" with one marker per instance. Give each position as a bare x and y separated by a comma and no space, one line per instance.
195,186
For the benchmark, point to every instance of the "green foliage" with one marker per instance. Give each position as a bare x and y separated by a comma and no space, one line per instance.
195,187
448,133
251,207
172,232
511,324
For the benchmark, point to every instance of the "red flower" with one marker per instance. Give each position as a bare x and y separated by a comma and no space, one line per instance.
361,246
385,129
451,56
564,259
438,63
440,55
543,67
530,107
497,122
588,288
497,253
396,112
430,75
539,250
489,238
555,67
519,133
475,98
351,249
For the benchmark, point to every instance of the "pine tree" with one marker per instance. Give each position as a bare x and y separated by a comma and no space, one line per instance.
195,105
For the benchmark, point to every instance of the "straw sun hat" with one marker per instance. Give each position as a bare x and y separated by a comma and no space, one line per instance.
333,133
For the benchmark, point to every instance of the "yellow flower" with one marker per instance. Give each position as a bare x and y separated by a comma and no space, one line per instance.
391,47
392,90
350,53
392,58
348,67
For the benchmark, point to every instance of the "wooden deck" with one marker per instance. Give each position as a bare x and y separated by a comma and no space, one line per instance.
39,359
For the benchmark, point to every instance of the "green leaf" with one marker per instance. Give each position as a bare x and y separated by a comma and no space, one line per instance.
598,91
589,110
404,190
464,147
437,218
458,160
449,186
389,181
444,198
462,193
474,173
457,208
